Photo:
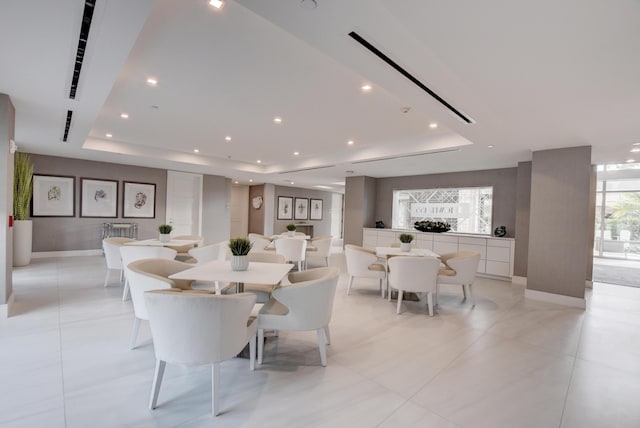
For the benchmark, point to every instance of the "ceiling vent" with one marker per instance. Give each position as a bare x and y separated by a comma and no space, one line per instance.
67,126
87,16
377,52
406,156
307,169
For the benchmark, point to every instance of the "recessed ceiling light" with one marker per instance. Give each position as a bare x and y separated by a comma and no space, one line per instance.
124,115
433,125
196,151
216,3
259,161
227,138
277,119
291,182
350,142
108,135
490,146
366,88
152,81
630,160
235,182
296,153
636,144
635,150
251,180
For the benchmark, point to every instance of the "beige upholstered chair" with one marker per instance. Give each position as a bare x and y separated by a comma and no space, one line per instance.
416,274
199,329
363,263
111,248
319,250
207,253
460,269
131,253
305,304
294,250
183,250
259,242
152,274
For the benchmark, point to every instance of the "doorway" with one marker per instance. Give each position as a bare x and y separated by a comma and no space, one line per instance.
184,202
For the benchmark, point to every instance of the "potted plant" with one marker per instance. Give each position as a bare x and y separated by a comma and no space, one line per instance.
165,232
22,190
239,247
292,229
405,241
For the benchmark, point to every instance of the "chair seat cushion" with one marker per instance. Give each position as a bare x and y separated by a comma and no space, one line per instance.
377,267
274,307
446,272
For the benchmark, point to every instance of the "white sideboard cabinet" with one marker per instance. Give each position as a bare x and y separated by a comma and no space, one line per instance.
496,254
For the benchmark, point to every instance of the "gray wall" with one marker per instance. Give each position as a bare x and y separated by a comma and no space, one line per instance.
7,127
320,227
504,182
560,224
256,216
216,212
359,207
523,206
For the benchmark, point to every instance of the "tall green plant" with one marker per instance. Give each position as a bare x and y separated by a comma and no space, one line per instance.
22,185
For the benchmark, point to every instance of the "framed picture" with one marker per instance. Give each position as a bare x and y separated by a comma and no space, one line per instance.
138,200
98,198
53,196
302,209
315,212
285,208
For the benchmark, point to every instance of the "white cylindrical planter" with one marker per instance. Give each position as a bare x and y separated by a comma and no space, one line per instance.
165,237
405,246
22,235
239,262
291,233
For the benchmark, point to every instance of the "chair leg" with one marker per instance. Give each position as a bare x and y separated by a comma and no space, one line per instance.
327,259
134,333
464,291
215,384
470,294
252,353
389,288
399,301
327,335
260,344
323,351
106,277
349,285
157,381
381,288
121,275
430,303
437,293
125,292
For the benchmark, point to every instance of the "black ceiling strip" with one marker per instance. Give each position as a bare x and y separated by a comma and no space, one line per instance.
67,126
358,38
87,16
307,169
406,156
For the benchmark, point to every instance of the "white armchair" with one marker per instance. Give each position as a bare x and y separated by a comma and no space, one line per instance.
293,249
460,269
111,248
152,274
131,253
259,242
320,249
199,329
416,274
363,263
305,304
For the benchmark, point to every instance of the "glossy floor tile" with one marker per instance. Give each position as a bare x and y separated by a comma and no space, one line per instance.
505,362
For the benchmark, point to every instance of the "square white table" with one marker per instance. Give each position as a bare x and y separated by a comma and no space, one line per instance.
171,243
220,270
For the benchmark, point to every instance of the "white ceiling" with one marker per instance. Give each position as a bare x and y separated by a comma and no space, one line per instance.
532,75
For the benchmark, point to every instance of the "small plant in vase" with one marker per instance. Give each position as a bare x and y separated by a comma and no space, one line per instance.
405,241
292,229
240,248
165,232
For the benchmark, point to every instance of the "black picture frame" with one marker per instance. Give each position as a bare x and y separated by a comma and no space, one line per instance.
98,198
301,211
53,196
138,200
315,209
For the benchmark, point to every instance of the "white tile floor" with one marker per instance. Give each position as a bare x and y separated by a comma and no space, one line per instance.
64,361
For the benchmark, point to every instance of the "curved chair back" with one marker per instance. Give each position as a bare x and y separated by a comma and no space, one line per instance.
417,274
292,249
285,234
111,247
322,245
183,249
209,252
131,253
266,257
465,265
197,329
259,242
358,260
153,274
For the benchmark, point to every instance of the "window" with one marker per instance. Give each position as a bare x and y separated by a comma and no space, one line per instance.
467,210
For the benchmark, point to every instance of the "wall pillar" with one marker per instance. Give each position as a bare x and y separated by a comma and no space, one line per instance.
7,129
359,207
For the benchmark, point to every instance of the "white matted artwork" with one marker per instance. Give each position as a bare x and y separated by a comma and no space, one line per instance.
302,209
53,196
315,212
98,198
139,200
285,208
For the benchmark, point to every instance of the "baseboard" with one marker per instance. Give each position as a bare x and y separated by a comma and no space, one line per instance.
72,253
520,280
496,277
559,299
5,308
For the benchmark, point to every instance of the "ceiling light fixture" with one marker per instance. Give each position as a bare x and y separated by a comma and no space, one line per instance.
320,186
251,180
630,160
298,153
433,125
490,146
366,88
216,3
636,144
277,119
350,142
235,182
196,151
124,115
259,161
152,82
108,135
635,150
227,138
291,182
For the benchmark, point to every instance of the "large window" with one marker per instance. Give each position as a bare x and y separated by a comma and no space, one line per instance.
467,210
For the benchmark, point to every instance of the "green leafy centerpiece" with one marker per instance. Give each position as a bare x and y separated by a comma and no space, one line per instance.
240,248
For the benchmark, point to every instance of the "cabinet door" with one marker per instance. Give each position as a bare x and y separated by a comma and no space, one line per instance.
369,238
